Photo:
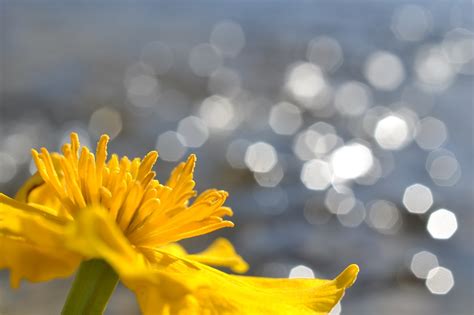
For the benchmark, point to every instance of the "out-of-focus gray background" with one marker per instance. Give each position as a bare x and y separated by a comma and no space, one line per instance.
342,129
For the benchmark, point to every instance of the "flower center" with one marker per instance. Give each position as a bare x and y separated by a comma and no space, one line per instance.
126,188
148,212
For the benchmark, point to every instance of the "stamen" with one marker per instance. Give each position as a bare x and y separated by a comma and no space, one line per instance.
71,182
118,199
146,211
147,180
113,163
130,205
82,171
105,196
53,176
134,168
40,165
91,180
75,145
147,164
101,154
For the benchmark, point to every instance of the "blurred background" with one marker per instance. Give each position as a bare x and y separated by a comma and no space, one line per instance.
342,130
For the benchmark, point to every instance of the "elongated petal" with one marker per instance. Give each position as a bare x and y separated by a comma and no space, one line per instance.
209,291
167,284
220,253
31,243
34,263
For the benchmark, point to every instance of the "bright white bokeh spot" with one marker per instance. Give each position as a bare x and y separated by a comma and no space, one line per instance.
194,131
301,271
384,71
217,112
261,157
422,262
171,146
228,37
392,132
285,118
352,98
204,59
8,167
442,224
431,133
373,175
411,23
440,280
316,174
105,120
325,52
159,56
305,80
351,161
372,116
417,198
384,216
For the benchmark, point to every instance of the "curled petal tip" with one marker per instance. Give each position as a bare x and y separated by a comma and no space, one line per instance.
346,278
192,157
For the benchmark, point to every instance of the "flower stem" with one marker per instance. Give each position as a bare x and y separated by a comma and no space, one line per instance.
94,284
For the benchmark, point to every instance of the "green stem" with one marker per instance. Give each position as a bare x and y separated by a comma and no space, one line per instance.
94,284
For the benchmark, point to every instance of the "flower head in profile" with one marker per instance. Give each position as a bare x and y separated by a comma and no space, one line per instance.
80,207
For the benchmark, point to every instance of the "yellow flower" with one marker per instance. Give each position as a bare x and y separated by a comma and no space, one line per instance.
80,207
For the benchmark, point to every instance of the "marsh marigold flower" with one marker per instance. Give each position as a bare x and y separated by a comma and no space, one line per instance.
82,207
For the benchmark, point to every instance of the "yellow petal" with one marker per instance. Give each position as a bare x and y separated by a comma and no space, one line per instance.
171,285
181,182
94,234
31,184
34,263
31,243
220,253
209,291
39,194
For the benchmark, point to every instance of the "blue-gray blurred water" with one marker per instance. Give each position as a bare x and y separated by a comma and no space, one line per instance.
391,81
